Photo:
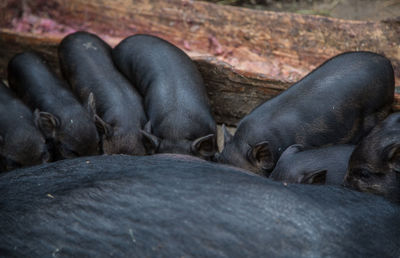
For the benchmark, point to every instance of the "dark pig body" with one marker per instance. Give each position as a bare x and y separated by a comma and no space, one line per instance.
171,206
59,115
21,143
180,119
374,165
326,165
87,64
337,103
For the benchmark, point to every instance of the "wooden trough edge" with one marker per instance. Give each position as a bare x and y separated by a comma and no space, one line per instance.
285,45
233,93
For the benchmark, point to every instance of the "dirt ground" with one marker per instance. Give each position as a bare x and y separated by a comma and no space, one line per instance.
373,10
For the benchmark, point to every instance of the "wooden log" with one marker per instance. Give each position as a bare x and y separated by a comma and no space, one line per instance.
285,46
245,56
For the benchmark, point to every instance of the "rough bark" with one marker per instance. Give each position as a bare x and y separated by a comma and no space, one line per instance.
285,46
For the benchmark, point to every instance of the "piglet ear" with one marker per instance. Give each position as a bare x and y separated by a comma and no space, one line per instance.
293,149
204,146
46,122
102,127
393,154
91,105
227,135
261,156
315,177
150,142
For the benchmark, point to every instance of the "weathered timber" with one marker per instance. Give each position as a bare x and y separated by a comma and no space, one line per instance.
282,45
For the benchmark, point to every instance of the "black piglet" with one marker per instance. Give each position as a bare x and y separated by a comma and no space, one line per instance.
21,143
87,64
175,98
59,115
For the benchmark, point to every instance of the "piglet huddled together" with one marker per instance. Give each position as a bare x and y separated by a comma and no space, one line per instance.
155,103
146,96
174,96
86,63
64,122
337,103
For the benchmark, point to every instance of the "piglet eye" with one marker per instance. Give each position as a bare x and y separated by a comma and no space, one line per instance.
361,173
365,174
